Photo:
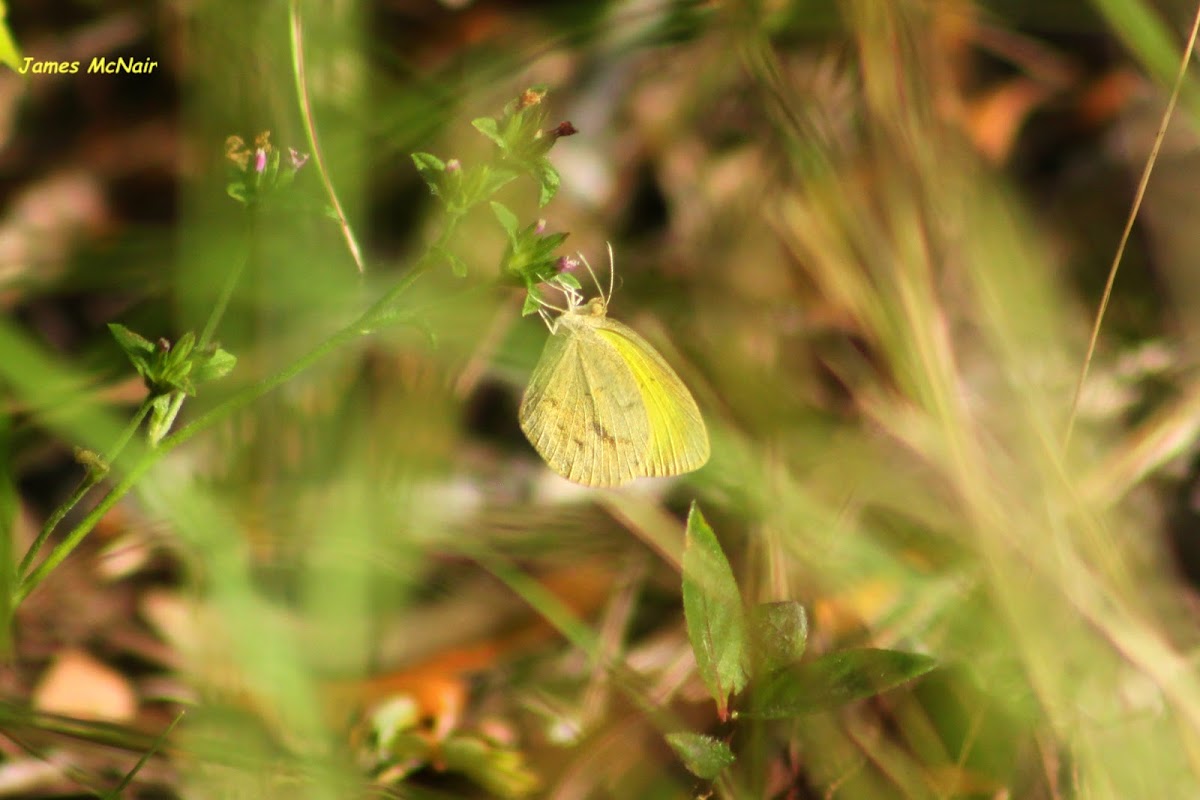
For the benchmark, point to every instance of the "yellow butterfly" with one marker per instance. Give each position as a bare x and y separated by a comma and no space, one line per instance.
603,407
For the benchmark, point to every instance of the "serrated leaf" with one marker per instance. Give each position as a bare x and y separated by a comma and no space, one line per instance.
489,128
778,635
834,680
704,756
507,219
712,607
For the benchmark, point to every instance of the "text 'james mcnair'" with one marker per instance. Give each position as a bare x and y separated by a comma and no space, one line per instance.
108,66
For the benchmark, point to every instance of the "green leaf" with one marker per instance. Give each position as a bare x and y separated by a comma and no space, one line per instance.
547,177
532,302
182,350
428,162
489,128
712,606
142,353
834,680
211,366
430,168
508,220
778,636
135,346
544,247
569,280
495,179
704,756
238,191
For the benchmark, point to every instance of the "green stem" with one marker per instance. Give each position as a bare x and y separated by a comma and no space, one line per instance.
379,310
214,318
310,129
85,485
115,792
118,446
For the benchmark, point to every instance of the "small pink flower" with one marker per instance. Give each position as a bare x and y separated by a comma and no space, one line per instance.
297,158
260,160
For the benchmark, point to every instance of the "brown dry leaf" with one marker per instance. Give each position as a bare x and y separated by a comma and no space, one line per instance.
78,685
993,120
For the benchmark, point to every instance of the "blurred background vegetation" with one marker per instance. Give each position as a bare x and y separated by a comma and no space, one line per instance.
871,236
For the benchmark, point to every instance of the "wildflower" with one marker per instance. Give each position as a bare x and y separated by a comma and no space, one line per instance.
296,158
237,152
262,148
530,97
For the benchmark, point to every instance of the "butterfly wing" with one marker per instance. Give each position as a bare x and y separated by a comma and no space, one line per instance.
678,438
583,411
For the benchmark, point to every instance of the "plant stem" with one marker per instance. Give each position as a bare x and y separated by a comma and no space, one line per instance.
214,318
85,485
310,129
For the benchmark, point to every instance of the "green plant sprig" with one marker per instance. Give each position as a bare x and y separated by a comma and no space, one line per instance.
762,649
172,371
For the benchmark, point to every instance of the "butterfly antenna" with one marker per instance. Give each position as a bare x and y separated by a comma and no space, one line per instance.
612,273
595,280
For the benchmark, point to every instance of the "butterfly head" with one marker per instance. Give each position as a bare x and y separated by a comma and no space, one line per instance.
577,305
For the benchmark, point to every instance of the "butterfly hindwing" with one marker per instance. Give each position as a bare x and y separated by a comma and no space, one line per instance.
678,438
